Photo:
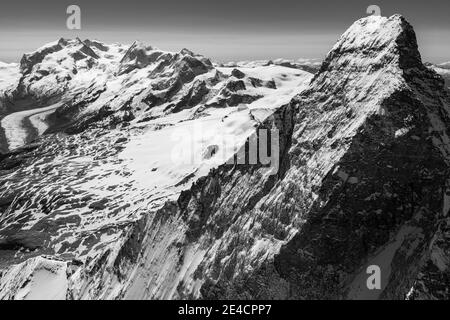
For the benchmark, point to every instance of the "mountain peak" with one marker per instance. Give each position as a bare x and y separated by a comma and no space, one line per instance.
373,52
378,41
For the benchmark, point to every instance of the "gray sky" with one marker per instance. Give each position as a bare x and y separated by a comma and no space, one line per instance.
222,30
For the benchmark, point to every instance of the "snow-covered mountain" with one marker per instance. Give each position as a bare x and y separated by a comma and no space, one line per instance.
443,69
116,114
130,192
10,75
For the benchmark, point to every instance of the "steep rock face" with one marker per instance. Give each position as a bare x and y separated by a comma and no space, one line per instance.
362,180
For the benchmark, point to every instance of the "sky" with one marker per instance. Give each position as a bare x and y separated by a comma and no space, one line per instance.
229,30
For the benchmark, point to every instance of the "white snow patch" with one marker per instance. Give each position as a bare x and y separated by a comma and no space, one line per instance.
39,278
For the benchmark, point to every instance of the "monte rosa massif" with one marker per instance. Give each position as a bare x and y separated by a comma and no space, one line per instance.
93,205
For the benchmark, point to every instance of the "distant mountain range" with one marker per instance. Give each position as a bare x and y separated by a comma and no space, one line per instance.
443,69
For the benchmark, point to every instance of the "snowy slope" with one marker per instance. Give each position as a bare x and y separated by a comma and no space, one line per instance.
88,78
240,233
119,127
445,73
443,69
37,279
444,65
9,79
64,65
17,129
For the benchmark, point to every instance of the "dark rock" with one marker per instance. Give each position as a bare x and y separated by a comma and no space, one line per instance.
121,140
98,205
237,73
